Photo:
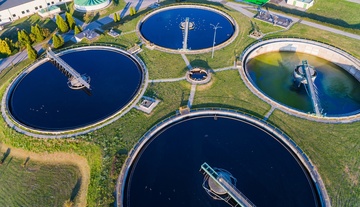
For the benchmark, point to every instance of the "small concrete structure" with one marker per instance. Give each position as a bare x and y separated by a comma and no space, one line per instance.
274,19
113,33
198,76
88,34
50,11
305,4
147,104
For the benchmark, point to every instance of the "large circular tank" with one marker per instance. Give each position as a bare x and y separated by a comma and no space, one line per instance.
41,99
165,29
268,70
171,154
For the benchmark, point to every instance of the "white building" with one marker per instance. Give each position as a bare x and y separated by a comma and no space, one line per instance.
305,4
11,10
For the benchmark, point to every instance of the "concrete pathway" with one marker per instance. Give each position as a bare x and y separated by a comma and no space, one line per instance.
267,115
225,68
18,57
355,1
241,8
192,95
186,61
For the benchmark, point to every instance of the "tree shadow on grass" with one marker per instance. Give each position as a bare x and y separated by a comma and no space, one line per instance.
200,63
76,189
5,155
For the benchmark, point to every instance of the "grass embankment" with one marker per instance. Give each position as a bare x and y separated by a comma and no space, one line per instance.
334,150
227,90
105,149
163,65
90,189
341,15
30,179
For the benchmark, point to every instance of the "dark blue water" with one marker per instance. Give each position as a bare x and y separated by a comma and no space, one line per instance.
163,28
43,100
167,171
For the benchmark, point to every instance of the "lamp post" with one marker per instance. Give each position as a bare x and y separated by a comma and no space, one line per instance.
215,27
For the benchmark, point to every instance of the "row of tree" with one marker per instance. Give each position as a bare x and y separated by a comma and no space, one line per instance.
38,34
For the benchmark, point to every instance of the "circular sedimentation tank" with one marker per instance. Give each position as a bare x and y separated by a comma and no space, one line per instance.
198,76
165,29
171,155
268,70
41,100
90,5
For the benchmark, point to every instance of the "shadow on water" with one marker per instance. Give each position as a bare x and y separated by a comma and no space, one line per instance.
272,75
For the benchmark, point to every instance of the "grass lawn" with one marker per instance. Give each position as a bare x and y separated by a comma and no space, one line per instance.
172,95
46,183
345,43
332,147
339,14
227,90
334,150
159,66
339,10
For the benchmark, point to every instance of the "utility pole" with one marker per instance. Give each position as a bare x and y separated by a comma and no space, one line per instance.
215,27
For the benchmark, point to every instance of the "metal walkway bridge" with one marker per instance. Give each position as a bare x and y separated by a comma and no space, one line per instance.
229,188
79,78
186,33
312,88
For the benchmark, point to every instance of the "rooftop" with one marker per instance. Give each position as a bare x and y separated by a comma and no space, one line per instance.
88,2
7,4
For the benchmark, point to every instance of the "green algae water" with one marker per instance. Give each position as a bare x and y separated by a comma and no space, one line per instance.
338,91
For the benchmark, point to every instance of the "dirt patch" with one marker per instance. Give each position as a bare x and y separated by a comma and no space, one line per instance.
207,85
56,158
353,178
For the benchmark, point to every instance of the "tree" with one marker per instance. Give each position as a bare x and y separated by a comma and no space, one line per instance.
45,32
62,25
132,11
32,54
77,30
5,47
115,17
70,20
37,32
58,41
23,38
